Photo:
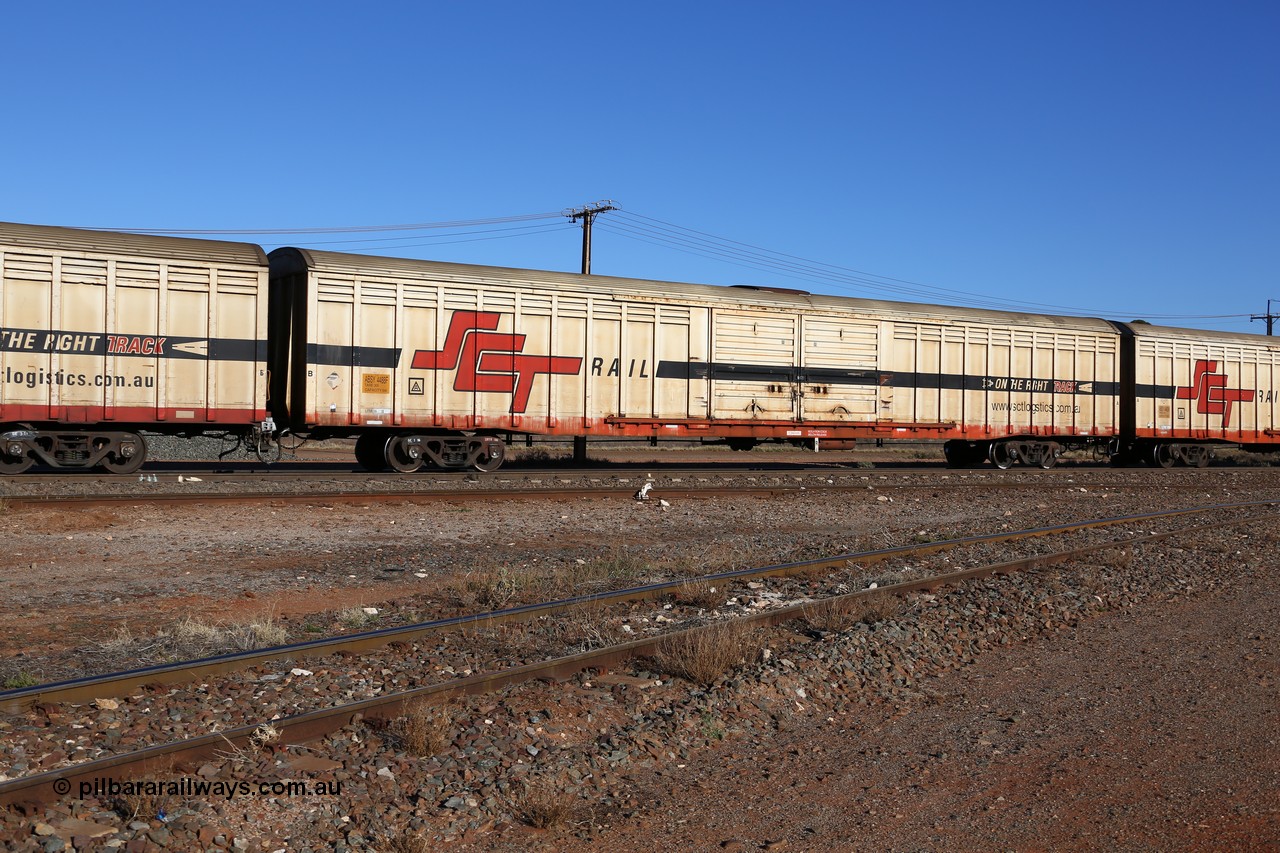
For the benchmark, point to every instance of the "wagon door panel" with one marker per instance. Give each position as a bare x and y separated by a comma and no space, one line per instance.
530,402
238,380
418,334
840,369
186,374
753,366
568,390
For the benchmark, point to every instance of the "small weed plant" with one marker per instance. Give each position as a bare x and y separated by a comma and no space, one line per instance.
545,805
425,729
704,655
20,680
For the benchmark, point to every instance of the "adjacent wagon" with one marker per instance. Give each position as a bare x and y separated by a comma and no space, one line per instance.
103,335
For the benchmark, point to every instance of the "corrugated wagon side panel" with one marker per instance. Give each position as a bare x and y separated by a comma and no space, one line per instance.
1212,386
569,339
79,303
26,306
330,351
129,339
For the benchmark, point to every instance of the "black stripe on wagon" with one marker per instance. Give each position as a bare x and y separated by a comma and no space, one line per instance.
60,342
1156,392
898,379
345,356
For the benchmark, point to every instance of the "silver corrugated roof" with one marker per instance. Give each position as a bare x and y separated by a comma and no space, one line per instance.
367,266
84,241
1149,330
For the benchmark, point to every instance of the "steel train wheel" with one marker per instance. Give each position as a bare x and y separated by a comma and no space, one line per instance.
1162,455
1002,455
484,462
15,464
960,454
118,464
1048,456
400,457
369,452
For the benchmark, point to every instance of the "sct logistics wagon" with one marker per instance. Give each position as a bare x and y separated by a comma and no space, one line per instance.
104,336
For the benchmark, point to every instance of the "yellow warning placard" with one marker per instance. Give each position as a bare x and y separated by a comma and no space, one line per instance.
376,383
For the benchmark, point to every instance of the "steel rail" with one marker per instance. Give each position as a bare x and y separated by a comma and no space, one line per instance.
112,685
454,493
302,728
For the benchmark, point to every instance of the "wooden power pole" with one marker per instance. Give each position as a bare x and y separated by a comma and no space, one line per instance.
586,213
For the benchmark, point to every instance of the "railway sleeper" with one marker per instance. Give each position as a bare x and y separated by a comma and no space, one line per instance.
114,452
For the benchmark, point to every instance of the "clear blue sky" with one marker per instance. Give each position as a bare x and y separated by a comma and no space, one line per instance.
1116,158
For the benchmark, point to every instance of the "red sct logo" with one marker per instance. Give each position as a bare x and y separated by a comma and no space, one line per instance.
1209,390
491,361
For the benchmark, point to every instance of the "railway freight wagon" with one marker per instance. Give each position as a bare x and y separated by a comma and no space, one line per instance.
434,361
1192,390
103,335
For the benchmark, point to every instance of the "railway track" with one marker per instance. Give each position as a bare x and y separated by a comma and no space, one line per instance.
305,726
310,487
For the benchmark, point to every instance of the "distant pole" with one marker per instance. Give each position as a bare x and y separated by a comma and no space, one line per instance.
1269,317
587,214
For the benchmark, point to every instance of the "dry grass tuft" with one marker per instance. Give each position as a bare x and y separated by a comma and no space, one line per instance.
18,680
408,844
703,655
545,805
426,729
583,628
246,756
187,639
145,805
881,607
608,571
1116,558
355,618
497,589
698,593
140,806
192,637
840,614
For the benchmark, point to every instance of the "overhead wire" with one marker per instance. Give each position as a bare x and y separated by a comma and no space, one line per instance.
681,238
658,232
439,240
343,229
790,270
